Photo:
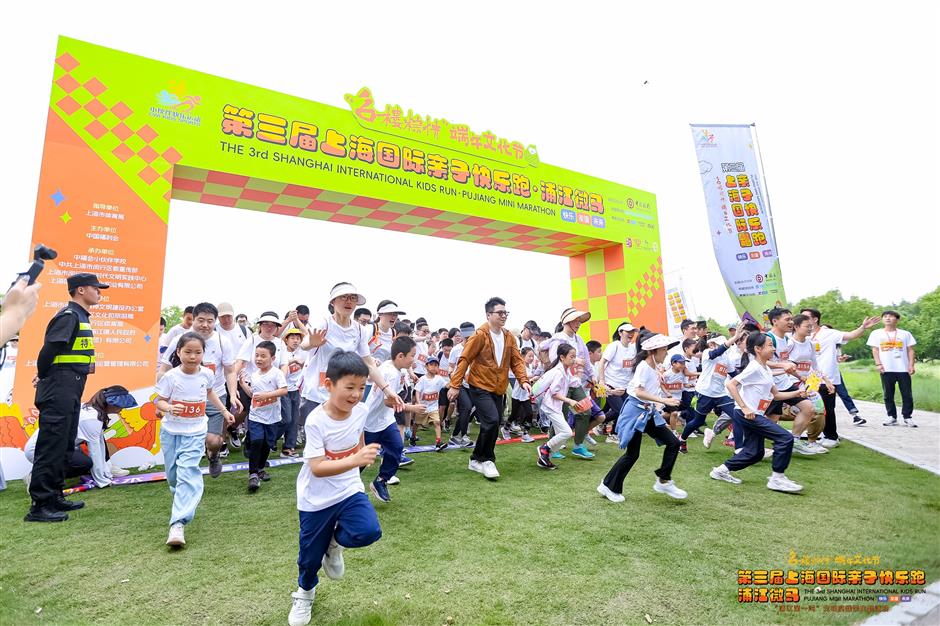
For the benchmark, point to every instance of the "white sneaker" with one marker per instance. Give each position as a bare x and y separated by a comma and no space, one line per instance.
670,489
816,447
504,433
301,607
489,470
909,423
768,453
610,495
613,438
802,447
719,474
333,564
707,440
527,438
118,471
176,537
598,431
783,484
394,480
589,439
475,466
828,443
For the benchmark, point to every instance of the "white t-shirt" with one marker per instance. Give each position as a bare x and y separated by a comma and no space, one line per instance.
295,367
644,377
247,354
352,338
454,357
619,368
421,357
334,439
380,342
235,336
192,390
217,356
446,364
528,343
756,383
518,391
266,411
89,429
429,391
172,334
826,342
892,348
380,416
803,356
674,382
499,345
711,382
734,357
783,381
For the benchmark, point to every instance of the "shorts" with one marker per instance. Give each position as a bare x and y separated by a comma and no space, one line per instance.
776,407
433,417
216,421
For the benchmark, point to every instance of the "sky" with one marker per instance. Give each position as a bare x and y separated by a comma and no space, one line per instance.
845,103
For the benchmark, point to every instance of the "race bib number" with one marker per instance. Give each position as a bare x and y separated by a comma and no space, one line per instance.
784,355
721,370
444,373
293,368
322,380
887,346
191,409
423,358
803,366
256,402
341,454
211,366
672,386
429,397
762,405
626,364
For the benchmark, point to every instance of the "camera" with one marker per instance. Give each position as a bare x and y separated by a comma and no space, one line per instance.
41,254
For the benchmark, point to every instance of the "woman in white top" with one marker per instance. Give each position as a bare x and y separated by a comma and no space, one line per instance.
640,415
615,372
753,390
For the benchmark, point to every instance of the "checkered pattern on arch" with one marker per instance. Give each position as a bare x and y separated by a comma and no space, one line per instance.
220,188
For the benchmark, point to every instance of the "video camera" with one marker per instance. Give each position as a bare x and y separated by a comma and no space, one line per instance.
41,254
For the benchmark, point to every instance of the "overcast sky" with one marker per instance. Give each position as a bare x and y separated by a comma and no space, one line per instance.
844,96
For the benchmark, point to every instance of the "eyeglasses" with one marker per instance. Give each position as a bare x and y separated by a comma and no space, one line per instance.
349,297
500,313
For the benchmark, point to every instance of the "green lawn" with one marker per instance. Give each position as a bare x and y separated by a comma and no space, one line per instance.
863,383
536,547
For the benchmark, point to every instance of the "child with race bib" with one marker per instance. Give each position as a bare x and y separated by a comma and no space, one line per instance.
182,394
554,389
753,390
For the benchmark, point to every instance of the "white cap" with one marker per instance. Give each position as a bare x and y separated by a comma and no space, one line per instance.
627,326
345,289
390,307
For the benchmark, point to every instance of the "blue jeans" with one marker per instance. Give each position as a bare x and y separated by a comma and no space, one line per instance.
181,456
290,418
354,524
392,446
846,398
705,406
752,451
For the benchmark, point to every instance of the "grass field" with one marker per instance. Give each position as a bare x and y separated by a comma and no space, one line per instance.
863,383
536,547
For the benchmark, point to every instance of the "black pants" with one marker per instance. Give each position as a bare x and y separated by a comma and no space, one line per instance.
58,398
612,410
464,404
662,435
521,412
78,464
903,380
489,407
829,402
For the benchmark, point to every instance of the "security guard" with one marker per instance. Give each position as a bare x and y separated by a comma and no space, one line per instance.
66,359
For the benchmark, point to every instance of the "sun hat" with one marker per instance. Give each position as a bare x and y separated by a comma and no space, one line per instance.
717,340
293,331
658,341
120,397
346,289
627,326
574,315
269,317
389,307
226,308
467,329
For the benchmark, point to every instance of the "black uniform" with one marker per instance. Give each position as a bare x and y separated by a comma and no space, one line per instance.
66,359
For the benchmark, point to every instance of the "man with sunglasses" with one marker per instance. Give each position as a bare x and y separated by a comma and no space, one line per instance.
489,354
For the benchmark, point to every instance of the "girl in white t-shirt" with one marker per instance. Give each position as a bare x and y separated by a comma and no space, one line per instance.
522,410
555,386
182,394
640,415
615,372
753,390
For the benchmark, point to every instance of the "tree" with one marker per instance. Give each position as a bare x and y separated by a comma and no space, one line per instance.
172,314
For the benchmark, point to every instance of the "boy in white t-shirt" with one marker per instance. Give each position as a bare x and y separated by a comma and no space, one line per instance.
295,358
428,392
268,385
893,352
334,511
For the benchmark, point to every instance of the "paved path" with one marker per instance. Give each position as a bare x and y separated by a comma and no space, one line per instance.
922,610
918,446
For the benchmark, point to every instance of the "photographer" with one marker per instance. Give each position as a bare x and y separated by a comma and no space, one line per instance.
18,304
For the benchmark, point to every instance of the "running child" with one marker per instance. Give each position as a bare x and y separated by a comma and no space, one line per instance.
640,415
522,410
674,380
268,386
428,392
182,394
556,383
753,391
296,358
334,511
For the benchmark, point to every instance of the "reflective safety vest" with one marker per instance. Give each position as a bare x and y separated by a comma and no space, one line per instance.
81,352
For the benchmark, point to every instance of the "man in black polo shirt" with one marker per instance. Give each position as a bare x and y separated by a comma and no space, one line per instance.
65,361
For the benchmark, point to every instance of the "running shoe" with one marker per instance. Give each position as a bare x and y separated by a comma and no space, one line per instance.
669,488
527,438
828,443
783,484
333,565
379,490
215,466
582,452
858,421
515,429
683,447
815,447
891,422
504,433
176,536
440,446
598,431
253,483
722,474
801,447
117,471
301,607
288,454
234,441
263,475
475,466
489,470
707,439
590,440
544,456
557,455
613,438
909,423
467,442
405,460
610,495
224,451
394,480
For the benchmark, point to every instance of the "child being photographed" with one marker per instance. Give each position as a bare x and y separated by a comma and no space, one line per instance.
754,391
295,359
522,410
428,392
674,381
268,385
182,394
555,384
335,512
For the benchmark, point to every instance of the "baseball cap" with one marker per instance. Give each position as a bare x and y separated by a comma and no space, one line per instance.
226,308
467,329
677,357
84,279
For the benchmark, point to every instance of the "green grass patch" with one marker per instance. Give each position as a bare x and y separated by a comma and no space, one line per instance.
864,383
536,547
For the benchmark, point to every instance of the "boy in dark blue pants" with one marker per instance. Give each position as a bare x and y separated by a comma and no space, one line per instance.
335,513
